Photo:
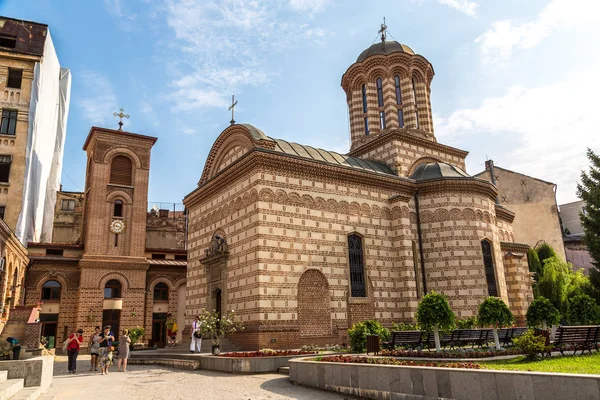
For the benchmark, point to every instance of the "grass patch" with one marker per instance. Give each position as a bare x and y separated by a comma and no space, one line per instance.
586,364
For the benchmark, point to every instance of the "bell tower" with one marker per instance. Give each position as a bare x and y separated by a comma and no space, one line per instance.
116,193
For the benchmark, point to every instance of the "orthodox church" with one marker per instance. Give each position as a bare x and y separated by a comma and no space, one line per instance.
303,242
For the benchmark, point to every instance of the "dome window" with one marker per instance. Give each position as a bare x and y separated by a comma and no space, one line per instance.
398,90
414,89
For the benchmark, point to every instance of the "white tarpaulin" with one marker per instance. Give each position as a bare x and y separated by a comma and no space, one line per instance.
49,108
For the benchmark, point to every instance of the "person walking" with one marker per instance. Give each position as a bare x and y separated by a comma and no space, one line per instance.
171,330
124,341
106,349
196,333
15,346
75,341
94,349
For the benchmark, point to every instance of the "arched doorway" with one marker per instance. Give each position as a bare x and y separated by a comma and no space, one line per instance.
112,316
314,312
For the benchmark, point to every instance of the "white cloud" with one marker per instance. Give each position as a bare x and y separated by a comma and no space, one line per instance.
100,100
226,45
464,6
499,42
119,11
148,111
309,5
549,127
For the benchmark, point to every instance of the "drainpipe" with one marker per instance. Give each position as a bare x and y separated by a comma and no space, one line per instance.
489,165
420,236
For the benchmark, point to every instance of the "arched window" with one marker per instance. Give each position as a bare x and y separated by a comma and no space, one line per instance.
118,209
357,268
51,291
161,292
398,90
414,90
417,270
364,101
120,171
488,263
379,93
112,289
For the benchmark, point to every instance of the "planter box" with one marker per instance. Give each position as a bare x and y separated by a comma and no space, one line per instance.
240,365
390,382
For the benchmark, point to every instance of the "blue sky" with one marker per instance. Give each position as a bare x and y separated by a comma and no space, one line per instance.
515,80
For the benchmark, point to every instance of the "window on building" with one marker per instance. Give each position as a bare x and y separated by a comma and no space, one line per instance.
68,205
357,268
417,270
157,256
400,118
118,209
161,292
398,90
379,93
55,252
120,171
488,263
2,210
8,41
364,98
51,291
112,289
414,90
5,162
15,76
366,125
8,126
382,119
180,257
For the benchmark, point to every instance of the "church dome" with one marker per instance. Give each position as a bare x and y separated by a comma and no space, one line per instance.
384,48
438,170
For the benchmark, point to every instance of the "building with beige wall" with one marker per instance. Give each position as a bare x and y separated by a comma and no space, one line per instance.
303,242
33,87
576,250
534,203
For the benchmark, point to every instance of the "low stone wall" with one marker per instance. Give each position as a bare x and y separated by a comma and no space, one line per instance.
390,382
240,365
36,371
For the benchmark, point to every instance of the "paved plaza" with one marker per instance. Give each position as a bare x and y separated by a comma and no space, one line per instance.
149,382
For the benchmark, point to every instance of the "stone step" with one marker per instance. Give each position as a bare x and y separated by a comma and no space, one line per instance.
3,376
284,370
189,365
30,393
10,387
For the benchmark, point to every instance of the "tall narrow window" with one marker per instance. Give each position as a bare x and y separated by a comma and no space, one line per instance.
414,90
5,162
417,270
364,98
488,263
357,268
382,119
366,125
15,76
120,171
400,118
398,90
2,210
118,209
9,122
379,93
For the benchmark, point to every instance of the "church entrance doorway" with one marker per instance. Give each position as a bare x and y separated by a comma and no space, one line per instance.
159,330
49,328
112,318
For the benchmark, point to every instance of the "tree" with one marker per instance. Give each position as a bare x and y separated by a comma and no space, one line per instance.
533,261
216,327
434,314
555,283
589,191
542,312
544,252
495,313
359,332
583,310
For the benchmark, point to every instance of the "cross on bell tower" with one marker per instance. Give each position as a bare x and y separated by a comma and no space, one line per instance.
382,30
231,107
121,115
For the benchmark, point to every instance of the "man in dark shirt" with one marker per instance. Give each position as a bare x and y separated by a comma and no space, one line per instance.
14,346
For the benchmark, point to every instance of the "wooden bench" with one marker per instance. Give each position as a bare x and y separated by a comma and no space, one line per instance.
581,337
473,337
506,335
411,339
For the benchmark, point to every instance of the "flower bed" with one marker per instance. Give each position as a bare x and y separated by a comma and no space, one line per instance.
394,361
272,353
450,354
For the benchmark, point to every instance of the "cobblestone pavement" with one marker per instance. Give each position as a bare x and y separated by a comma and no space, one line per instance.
150,382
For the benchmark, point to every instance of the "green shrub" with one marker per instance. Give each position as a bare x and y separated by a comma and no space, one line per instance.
583,310
533,261
542,310
135,334
466,323
545,251
403,326
530,344
359,332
